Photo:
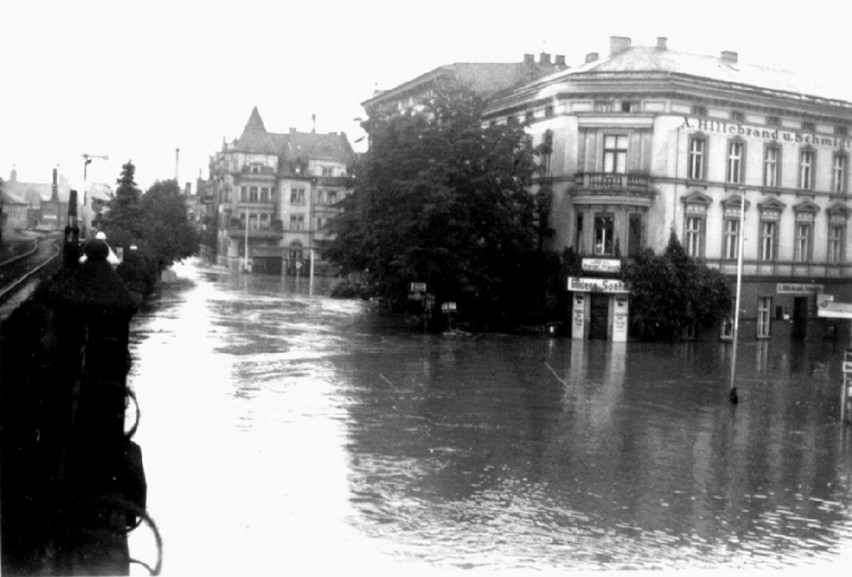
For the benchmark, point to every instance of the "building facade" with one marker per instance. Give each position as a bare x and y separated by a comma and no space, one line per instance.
649,140
272,196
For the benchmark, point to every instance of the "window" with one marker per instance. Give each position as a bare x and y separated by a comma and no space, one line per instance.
529,116
603,106
836,240
736,156
838,172
252,194
264,194
254,168
808,127
732,236
297,196
615,153
699,110
773,121
578,240
295,252
803,242
604,234
332,196
771,165
694,236
320,222
634,233
697,156
841,131
327,171
627,106
264,222
547,153
737,116
243,193
297,222
768,239
548,111
807,161
764,316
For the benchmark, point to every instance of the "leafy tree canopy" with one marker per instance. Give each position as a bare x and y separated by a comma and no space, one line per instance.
155,222
672,292
168,234
440,199
123,224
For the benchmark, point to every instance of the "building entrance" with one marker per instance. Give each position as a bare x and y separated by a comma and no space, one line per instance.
800,317
599,316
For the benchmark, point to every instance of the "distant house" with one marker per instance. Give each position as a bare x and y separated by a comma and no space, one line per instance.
274,195
14,213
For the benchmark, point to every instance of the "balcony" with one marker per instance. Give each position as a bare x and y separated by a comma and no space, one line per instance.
628,188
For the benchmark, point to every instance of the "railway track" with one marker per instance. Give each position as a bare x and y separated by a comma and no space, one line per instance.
23,271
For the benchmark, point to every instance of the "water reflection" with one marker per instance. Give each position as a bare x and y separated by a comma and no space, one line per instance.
275,417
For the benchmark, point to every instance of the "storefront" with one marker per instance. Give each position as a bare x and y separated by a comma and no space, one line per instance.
600,308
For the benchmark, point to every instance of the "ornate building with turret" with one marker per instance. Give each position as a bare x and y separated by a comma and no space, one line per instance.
271,197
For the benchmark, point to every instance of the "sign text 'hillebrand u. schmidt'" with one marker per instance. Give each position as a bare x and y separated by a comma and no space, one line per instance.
733,129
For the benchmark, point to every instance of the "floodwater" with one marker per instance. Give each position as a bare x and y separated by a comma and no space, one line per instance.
284,432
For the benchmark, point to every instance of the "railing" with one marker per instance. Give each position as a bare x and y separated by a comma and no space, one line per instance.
611,181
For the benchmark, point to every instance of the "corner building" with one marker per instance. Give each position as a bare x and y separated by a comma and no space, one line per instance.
272,197
648,139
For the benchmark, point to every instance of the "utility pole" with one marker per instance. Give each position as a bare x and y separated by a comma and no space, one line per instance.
87,210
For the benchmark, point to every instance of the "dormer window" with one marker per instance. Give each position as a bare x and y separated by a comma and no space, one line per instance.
254,169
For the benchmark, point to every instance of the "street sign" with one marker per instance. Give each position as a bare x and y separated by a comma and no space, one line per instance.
417,287
597,285
448,307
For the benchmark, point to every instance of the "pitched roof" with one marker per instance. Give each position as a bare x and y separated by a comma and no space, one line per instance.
255,138
293,145
310,145
484,78
652,59
726,68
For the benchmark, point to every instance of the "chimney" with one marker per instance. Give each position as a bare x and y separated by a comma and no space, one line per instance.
559,60
54,188
591,57
529,59
661,43
618,44
729,56
544,58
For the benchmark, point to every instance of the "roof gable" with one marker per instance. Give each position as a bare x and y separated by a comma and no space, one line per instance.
255,138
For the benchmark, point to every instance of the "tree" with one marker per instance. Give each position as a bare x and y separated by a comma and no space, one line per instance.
673,292
168,235
440,199
124,224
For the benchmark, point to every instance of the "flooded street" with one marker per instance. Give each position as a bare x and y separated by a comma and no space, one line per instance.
284,432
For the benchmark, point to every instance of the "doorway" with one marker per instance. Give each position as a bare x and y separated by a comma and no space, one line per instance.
800,317
598,316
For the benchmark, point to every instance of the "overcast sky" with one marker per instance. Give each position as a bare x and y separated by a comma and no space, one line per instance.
136,80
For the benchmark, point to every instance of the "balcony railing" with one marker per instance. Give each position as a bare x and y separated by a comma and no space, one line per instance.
613,182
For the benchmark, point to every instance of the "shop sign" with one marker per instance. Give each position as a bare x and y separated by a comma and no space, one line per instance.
601,265
596,285
791,288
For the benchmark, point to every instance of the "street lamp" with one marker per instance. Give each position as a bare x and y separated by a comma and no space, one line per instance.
87,214
740,242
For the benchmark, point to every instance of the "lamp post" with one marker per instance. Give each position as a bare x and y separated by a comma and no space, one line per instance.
741,241
87,213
